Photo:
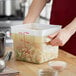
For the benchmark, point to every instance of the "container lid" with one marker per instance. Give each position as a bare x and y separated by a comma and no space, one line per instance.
35,29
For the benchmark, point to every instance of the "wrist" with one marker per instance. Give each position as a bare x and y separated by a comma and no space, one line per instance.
28,19
70,29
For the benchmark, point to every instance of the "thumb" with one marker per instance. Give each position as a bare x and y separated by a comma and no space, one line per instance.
53,35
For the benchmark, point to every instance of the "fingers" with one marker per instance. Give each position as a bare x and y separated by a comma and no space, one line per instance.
56,42
56,39
53,35
24,22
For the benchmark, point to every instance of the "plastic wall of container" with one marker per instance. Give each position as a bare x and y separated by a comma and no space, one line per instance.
36,29
31,42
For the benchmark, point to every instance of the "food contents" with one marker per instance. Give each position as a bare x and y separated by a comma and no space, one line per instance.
32,42
58,65
48,72
33,48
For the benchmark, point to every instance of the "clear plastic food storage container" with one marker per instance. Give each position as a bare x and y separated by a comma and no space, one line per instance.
31,42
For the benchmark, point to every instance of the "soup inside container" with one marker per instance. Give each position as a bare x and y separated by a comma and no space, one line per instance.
30,42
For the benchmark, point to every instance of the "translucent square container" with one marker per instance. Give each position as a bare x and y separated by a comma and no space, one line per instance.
30,42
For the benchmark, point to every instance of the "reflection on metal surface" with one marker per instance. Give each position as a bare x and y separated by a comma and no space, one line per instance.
12,9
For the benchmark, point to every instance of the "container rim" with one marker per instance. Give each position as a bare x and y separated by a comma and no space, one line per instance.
38,27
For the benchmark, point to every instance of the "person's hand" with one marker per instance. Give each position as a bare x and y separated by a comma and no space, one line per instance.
34,11
60,38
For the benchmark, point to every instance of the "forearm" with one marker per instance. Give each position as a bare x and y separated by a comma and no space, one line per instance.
72,26
34,10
